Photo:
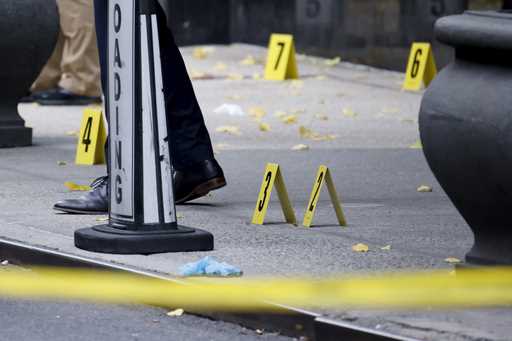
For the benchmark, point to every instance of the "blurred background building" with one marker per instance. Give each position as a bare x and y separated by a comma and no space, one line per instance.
372,32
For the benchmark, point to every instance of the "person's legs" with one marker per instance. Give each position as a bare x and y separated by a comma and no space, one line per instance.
80,64
196,172
50,75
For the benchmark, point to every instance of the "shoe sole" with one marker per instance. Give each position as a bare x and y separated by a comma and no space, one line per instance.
70,103
72,211
203,189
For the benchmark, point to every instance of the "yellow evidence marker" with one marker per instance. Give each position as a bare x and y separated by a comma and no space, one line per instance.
273,177
91,141
281,62
421,68
323,176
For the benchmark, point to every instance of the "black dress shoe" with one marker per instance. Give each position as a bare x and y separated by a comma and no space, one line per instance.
61,96
93,202
198,181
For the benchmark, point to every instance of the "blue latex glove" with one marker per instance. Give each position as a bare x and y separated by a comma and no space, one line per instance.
209,266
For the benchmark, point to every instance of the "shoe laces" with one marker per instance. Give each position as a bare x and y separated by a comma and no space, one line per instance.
99,182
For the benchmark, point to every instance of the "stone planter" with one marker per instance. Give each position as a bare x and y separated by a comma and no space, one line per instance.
466,129
28,33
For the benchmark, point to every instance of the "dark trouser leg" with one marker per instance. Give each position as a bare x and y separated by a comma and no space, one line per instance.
190,141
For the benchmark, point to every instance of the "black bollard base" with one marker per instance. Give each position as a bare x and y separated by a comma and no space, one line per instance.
15,136
106,239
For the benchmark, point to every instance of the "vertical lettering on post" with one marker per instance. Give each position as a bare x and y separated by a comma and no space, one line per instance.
121,92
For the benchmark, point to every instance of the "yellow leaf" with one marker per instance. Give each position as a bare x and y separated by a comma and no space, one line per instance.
321,78
232,130
73,133
220,66
280,114
321,117
180,215
416,145
305,133
264,127
452,260
360,248
200,53
176,313
102,219
257,113
234,97
424,189
300,147
349,112
332,62
386,248
257,76
194,74
408,120
235,77
249,60
289,119
296,84
76,188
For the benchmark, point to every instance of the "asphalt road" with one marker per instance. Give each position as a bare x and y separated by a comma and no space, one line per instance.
33,321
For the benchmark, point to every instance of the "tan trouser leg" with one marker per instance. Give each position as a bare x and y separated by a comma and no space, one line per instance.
80,61
50,75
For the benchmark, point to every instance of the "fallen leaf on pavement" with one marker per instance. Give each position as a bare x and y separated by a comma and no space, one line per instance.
408,120
280,114
176,313
416,145
235,76
264,127
200,53
220,66
360,248
102,219
194,74
234,97
333,61
289,119
296,84
452,260
321,117
321,78
77,188
424,189
386,248
257,113
349,112
300,147
73,133
257,76
249,60
232,130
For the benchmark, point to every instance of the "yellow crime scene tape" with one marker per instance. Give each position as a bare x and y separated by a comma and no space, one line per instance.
420,290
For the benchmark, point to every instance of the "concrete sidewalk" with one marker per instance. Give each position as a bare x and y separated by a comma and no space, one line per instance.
365,126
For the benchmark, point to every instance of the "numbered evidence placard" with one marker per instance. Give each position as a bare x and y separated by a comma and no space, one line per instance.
421,68
323,177
281,61
91,141
271,178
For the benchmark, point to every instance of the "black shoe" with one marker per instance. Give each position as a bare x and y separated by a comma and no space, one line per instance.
198,181
93,202
61,96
